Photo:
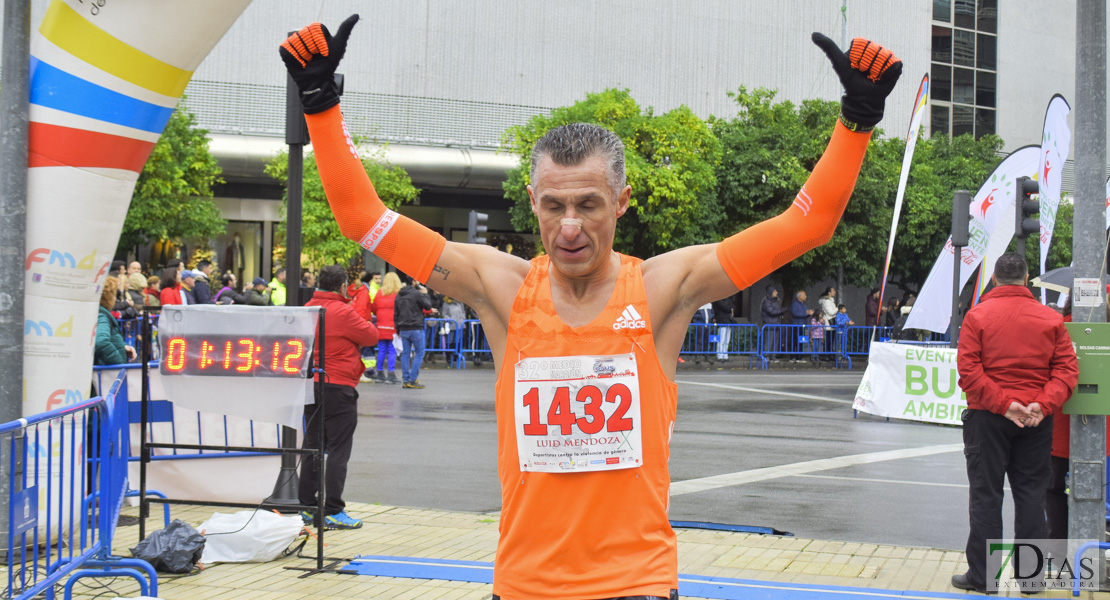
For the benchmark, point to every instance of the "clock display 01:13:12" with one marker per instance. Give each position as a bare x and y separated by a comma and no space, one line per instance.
235,356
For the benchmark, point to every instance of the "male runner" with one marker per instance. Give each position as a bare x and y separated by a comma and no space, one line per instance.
585,340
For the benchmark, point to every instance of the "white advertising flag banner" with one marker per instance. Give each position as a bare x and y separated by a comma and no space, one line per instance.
992,209
916,383
911,142
1055,146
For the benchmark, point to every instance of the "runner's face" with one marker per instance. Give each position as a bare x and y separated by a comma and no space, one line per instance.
580,192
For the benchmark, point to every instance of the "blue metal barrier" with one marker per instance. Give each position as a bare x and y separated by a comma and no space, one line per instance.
442,336
701,341
804,342
72,461
724,341
473,344
131,328
857,338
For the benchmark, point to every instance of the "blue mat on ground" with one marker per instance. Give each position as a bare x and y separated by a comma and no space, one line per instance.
689,586
724,527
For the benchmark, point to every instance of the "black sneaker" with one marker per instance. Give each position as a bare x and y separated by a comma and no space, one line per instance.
413,385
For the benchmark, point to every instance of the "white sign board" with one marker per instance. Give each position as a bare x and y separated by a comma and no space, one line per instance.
912,382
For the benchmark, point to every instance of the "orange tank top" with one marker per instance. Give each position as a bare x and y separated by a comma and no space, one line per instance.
597,534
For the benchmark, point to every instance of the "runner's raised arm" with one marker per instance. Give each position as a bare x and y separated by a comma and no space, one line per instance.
465,271
706,273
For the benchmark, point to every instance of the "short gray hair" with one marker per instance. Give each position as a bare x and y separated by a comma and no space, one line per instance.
569,145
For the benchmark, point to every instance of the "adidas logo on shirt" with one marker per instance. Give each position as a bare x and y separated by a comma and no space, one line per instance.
629,319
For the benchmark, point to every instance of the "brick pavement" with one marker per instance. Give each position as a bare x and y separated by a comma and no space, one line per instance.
426,533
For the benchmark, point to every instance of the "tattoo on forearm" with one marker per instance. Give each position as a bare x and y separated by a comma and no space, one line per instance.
439,269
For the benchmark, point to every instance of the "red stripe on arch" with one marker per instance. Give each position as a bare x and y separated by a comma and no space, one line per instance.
58,146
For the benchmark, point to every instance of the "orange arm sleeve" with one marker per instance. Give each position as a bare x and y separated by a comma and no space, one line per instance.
810,221
361,215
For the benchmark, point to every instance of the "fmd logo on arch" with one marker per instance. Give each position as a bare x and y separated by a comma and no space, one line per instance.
45,329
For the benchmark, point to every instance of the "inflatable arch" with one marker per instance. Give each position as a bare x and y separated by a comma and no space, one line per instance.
105,77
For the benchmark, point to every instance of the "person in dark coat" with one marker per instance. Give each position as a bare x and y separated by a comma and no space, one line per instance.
771,312
799,312
871,309
409,308
227,293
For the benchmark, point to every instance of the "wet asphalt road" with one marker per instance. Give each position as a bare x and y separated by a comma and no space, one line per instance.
782,447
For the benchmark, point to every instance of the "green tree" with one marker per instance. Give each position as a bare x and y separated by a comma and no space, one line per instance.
670,160
173,195
322,243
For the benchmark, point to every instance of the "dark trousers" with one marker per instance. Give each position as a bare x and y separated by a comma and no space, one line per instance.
340,419
996,448
1056,498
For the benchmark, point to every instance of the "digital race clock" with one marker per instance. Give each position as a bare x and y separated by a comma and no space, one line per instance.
235,355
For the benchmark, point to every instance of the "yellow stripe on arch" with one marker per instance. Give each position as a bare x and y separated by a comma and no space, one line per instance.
71,32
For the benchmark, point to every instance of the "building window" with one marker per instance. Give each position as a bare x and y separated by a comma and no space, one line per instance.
939,120
942,10
964,67
942,83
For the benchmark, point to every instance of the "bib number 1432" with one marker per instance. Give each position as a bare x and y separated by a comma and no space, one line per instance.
593,421
578,413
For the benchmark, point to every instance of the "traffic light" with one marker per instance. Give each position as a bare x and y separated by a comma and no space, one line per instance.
961,218
475,227
1025,206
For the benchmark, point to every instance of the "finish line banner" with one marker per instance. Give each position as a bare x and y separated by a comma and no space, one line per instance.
911,382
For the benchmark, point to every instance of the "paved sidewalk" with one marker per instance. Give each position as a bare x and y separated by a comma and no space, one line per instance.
438,534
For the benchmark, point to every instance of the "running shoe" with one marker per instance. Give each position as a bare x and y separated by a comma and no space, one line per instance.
413,385
308,517
341,520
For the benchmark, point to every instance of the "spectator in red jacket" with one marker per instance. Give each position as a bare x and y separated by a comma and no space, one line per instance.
383,307
169,293
345,332
1017,367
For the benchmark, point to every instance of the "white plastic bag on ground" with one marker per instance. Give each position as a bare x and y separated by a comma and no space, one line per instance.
248,536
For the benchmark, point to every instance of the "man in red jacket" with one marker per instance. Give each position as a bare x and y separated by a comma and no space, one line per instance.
1017,367
345,332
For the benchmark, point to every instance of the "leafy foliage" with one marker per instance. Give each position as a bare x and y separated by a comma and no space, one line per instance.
322,243
670,160
173,195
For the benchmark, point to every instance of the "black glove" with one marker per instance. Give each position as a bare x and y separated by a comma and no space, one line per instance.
311,55
868,73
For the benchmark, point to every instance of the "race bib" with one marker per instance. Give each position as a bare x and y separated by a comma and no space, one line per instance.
578,413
